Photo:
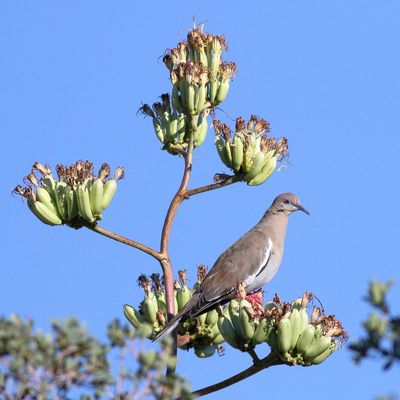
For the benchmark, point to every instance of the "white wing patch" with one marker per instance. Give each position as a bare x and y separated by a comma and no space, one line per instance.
251,281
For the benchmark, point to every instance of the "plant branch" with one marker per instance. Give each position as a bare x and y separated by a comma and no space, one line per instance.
180,195
254,356
165,234
166,230
222,183
105,232
270,360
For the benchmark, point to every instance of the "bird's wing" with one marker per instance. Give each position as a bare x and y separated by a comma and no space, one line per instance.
244,261
238,263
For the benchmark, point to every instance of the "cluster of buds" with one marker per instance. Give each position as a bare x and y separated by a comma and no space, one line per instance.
199,77
200,81
151,317
250,153
286,327
77,195
171,127
201,333
298,338
243,323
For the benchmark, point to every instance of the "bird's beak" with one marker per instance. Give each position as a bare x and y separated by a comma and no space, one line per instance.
301,208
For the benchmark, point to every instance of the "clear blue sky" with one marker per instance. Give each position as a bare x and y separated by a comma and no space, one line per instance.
326,76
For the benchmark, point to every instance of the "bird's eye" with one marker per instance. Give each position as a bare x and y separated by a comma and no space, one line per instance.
287,201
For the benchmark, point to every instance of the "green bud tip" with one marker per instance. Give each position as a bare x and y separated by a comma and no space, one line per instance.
31,179
240,124
227,71
173,57
197,38
333,328
119,173
258,125
315,315
26,192
104,172
157,282
146,109
217,43
166,103
43,169
169,63
182,277
221,129
145,283
201,272
176,285
161,318
306,298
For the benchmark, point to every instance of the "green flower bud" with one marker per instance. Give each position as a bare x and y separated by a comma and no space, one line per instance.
204,352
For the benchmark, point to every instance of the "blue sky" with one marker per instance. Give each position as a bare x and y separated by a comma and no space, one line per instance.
326,76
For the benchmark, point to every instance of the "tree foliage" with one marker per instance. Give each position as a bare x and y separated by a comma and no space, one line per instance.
69,363
381,339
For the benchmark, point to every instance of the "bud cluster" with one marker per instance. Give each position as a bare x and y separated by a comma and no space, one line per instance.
250,153
286,328
200,333
77,195
243,323
199,77
171,127
298,338
200,81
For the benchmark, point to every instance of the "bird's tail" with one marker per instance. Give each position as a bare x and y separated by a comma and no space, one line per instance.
173,324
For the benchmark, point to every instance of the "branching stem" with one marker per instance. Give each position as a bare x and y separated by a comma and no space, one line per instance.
222,183
166,264
270,360
105,232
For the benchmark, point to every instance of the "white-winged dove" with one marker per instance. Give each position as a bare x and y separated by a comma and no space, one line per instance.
252,260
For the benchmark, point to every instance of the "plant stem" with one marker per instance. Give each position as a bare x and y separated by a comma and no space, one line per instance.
222,183
166,230
254,356
177,200
166,264
105,232
270,360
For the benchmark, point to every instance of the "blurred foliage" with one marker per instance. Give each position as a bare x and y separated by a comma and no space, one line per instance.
71,364
381,338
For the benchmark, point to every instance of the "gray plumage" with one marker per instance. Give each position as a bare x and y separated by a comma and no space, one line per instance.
254,259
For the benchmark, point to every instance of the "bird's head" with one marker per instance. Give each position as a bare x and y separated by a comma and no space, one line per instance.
287,203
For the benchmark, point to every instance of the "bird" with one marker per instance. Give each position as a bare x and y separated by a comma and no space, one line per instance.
252,261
